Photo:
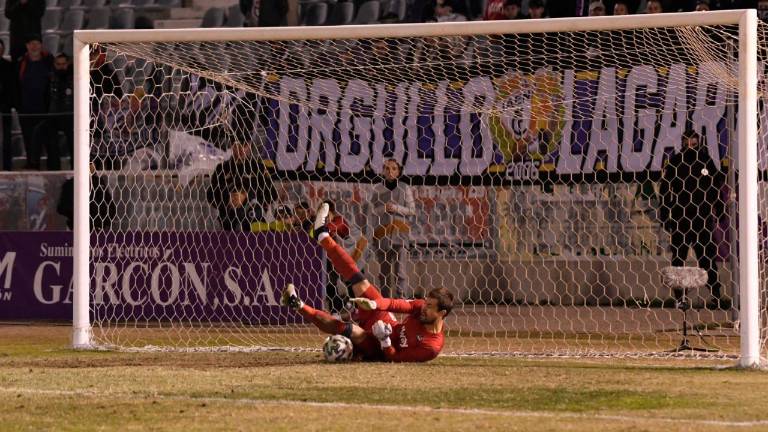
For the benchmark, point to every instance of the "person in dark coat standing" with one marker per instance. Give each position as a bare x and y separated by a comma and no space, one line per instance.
241,190
102,209
24,16
690,206
34,68
60,107
7,97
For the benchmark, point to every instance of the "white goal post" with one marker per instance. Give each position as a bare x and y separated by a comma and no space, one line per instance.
747,279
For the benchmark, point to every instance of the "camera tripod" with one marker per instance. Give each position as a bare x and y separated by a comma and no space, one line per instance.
684,305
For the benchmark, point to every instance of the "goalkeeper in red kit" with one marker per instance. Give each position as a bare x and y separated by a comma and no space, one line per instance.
377,336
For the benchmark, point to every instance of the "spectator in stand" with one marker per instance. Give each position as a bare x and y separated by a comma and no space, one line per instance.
60,108
443,12
536,9
691,205
241,190
620,8
702,6
102,207
596,8
654,7
7,91
24,16
34,69
762,10
494,10
512,10
392,208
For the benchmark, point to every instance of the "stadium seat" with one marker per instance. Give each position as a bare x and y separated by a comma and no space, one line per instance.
368,12
214,17
235,18
90,4
122,19
51,43
74,19
142,3
4,23
342,14
98,18
51,19
316,14
51,4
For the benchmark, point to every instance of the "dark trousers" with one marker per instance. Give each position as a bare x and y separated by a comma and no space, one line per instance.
335,298
48,133
6,143
32,144
393,271
705,249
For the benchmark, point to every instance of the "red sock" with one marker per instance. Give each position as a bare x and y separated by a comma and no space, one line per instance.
342,262
372,293
322,320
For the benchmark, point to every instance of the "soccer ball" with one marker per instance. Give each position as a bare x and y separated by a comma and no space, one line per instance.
337,348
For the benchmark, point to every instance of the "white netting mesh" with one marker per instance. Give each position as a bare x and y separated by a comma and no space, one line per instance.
542,195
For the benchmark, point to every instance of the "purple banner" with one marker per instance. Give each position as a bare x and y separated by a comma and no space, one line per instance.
162,276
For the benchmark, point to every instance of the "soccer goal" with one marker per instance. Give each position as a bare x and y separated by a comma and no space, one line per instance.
556,168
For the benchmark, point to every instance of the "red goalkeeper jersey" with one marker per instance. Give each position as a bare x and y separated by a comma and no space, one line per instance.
411,341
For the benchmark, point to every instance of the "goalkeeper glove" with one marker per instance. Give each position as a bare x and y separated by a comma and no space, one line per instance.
364,303
381,331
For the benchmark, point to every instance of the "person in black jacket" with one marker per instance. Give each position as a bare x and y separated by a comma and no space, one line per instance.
24,16
102,209
7,96
60,101
690,205
34,72
241,190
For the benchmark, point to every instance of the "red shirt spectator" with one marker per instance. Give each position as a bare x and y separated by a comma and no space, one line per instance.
494,10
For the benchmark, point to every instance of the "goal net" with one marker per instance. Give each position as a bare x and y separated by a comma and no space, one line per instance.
549,171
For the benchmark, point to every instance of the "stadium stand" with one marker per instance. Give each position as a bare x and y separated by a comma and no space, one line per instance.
62,17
